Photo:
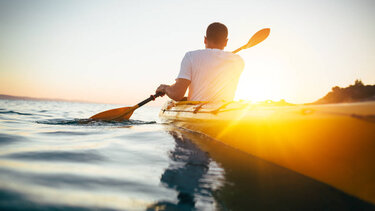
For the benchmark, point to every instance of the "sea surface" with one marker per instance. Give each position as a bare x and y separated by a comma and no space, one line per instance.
51,159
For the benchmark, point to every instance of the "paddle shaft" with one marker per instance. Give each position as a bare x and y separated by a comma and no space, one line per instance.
237,50
151,98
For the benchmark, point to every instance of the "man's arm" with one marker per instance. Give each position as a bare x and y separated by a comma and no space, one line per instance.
175,91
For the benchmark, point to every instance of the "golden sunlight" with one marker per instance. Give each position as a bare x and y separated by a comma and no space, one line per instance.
256,91
267,83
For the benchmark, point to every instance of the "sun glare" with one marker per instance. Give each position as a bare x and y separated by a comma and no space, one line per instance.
261,82
255,92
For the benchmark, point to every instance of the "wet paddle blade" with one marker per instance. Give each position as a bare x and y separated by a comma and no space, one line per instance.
258,37
117,114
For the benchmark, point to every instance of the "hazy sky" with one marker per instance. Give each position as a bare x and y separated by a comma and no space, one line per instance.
120,51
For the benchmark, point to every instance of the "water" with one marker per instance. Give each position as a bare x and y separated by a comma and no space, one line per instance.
52,160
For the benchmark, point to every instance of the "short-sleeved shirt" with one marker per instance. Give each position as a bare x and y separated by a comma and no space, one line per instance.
213,74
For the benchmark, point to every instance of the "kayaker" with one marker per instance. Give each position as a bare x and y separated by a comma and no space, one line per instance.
211,74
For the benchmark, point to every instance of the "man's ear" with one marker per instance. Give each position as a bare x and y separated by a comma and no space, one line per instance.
225,43
205,40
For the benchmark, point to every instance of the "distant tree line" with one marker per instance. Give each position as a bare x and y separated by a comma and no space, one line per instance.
354,93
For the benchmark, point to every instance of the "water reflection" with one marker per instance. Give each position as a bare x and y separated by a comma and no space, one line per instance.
189,174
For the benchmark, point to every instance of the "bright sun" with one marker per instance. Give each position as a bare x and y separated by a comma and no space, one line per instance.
261,82
256,90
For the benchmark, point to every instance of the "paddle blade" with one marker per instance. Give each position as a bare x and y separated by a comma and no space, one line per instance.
257,37
117,114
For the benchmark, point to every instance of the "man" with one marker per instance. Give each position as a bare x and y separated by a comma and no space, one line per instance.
210,74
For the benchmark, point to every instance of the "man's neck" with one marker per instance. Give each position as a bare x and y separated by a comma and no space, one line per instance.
214,47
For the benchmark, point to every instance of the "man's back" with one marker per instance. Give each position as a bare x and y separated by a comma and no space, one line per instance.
213,74
210,74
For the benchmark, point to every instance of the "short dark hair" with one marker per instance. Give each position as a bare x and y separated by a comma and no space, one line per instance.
217,32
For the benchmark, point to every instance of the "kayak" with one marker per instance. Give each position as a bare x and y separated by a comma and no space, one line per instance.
332,143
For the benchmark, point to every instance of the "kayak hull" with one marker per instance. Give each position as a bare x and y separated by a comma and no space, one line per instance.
334,144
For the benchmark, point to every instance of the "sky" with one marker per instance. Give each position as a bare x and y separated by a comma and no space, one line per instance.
120,51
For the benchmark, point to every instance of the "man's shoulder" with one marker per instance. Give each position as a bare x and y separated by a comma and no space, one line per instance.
195,52
238,57
192,55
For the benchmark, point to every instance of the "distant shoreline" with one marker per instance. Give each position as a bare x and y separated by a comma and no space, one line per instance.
13,97
357,92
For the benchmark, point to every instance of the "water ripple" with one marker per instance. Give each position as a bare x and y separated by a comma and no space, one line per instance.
79,181
12,200
15,112
9,139
86,157
68,133
90,122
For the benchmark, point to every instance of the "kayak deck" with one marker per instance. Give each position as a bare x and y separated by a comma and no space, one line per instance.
334,144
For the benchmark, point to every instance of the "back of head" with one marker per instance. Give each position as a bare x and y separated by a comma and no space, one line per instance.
217,33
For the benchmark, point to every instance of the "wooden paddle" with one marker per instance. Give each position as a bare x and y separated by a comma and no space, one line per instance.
124,113
255,39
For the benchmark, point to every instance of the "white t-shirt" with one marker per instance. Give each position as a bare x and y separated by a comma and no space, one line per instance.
213,74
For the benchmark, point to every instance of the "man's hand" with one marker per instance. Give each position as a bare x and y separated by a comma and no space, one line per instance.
176,91
162,89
